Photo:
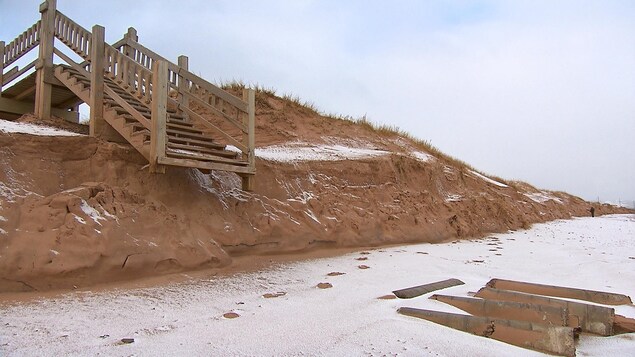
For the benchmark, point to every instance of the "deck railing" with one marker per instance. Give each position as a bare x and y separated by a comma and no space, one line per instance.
72,35
209,97
14,50
137,70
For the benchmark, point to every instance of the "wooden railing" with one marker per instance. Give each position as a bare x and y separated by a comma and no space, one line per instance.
129,75
72,35
22,44
192,88
17,48
138,71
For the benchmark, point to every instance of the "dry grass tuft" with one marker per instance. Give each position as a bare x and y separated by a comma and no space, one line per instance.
381,129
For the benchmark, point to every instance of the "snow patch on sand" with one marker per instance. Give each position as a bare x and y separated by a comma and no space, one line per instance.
296,152
542,197
222,184
91,212
422,156
33,129
453,198
79,219
487,179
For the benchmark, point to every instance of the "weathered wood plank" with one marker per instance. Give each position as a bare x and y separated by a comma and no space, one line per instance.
542,314
590,318
44,90
600,297
415,291
158,132
205,165
550,339
97,124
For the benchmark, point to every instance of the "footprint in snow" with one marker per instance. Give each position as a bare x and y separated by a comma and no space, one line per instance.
230,315
274,295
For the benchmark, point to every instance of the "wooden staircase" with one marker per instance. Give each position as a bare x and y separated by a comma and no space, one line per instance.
185,143
137,96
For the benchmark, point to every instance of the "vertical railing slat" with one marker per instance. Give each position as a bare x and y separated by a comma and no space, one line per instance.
158,134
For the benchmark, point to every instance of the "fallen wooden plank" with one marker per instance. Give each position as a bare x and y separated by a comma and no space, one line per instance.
600,297
415,291
590,318
542,314
550,339
624,324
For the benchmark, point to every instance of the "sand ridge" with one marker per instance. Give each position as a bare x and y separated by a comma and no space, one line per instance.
78,211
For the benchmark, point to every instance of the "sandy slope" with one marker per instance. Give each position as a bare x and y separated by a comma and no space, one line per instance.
76,210
345,320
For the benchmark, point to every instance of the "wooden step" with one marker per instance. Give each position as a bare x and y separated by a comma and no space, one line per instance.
203,150
184,154
174,132
115,106
176,116
145,113
194,142
184,127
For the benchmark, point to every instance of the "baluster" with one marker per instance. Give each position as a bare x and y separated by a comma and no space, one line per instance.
139,82
126,76
2,48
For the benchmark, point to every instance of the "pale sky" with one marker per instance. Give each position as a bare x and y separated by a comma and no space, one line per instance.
539,91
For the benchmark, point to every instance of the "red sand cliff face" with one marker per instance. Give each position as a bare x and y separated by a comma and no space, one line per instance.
77,211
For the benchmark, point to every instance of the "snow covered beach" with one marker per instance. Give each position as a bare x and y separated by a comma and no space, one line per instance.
347,319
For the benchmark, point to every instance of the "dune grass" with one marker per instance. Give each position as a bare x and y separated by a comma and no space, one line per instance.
381,129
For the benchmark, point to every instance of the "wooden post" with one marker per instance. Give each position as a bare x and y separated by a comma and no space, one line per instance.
249,119
158,134
130,35
183,63
1,66
97,124
44,66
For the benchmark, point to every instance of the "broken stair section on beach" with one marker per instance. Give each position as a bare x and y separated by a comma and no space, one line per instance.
527,315
169,115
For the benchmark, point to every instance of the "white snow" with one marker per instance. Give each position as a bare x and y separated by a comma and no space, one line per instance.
186,319
2,231
33,129
542,197
305,152
3,219
225,185
54,252
453,197
422,156
487,179
79,219
91,212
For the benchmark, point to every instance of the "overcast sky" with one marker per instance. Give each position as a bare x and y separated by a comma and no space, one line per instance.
540,91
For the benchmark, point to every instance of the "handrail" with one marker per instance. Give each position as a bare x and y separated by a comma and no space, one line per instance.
129,75
73,35
125,72
81,70
195,85
21,45
16,73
